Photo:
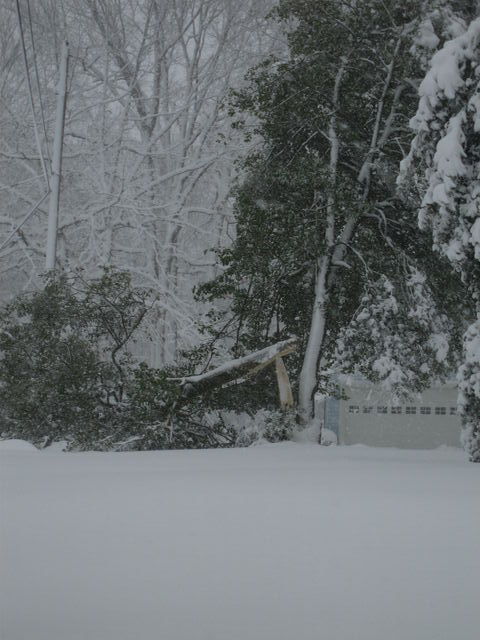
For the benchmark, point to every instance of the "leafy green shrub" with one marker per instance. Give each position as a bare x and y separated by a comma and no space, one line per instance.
66,372
64,363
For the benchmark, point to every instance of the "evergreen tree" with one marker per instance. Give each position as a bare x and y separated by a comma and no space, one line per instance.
318,219
442,171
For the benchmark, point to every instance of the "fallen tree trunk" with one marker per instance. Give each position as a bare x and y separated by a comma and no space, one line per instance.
245,367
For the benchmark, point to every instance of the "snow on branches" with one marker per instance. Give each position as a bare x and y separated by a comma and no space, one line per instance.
444,165
390,338
445,153
469,385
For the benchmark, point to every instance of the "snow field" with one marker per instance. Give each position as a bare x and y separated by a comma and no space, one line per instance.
276,542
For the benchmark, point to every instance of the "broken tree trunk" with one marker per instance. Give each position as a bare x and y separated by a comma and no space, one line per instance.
243,368
285,394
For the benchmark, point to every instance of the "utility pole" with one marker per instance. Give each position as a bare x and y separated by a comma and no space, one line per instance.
57,161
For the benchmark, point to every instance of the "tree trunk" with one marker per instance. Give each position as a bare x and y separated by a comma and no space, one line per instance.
308,374
285,394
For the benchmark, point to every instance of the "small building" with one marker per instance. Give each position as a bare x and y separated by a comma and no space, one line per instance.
369,415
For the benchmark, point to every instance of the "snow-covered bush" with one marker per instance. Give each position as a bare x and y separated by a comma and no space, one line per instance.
397,338
266,426
469,386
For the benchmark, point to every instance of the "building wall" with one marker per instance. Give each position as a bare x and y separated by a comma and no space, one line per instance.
369,416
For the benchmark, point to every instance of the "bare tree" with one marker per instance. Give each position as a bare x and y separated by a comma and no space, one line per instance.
146,174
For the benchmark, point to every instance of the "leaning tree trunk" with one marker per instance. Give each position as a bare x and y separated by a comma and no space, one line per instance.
308,374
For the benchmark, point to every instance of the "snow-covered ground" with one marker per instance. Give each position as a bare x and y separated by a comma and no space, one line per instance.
278,542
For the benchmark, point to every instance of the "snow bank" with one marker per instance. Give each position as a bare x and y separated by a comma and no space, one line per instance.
16,445
56,447
277,542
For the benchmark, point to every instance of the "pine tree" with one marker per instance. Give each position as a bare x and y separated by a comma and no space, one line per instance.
442,170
